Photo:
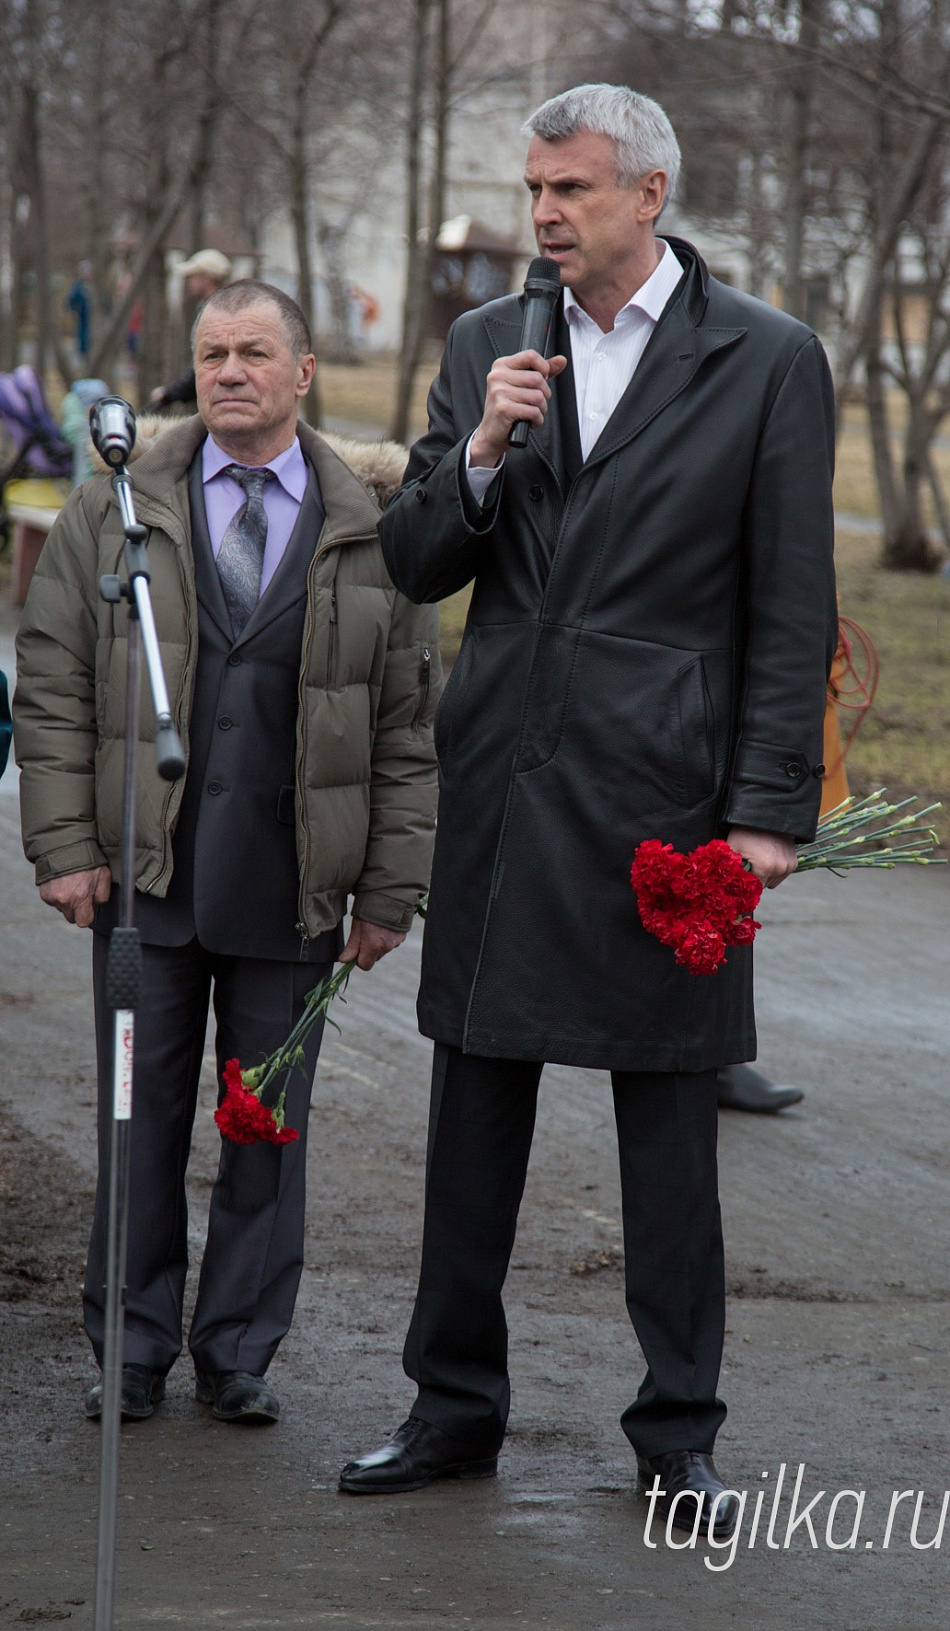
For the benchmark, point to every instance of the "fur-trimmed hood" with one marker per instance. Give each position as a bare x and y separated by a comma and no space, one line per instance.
379,465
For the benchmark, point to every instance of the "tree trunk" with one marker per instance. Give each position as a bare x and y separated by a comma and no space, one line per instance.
204,152
98,201
311,405
17,248
341,347
881,451
801,80
907,547
897,202
38,219
416,261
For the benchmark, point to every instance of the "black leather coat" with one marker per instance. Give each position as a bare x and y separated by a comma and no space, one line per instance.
646,656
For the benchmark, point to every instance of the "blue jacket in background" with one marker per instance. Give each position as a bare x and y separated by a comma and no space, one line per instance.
6,723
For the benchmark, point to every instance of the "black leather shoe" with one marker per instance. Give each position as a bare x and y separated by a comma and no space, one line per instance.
416,1455
690,1470
236,1395
742,1088
142,1390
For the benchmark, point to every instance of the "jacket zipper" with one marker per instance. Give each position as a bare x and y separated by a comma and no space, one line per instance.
331,638
425,675
322,549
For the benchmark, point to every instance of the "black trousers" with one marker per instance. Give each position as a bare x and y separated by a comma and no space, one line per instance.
480,1129
254,1253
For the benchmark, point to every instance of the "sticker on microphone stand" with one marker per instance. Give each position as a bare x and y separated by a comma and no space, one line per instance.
124,1037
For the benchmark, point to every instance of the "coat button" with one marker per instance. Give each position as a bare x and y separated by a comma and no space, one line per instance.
535,494
421,495
818,772
224,723
214,788
235,661
793,770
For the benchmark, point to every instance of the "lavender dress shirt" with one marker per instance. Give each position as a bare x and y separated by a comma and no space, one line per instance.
282,499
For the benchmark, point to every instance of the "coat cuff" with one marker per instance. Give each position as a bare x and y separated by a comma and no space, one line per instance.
385,911
478,517
774,788
81,857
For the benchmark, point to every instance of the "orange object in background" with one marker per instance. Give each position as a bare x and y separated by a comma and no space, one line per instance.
834,783
851,687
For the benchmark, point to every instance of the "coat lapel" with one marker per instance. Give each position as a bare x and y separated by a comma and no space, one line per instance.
207,582
676,350
290,578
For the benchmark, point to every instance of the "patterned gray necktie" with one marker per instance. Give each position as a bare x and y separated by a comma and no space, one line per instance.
241,556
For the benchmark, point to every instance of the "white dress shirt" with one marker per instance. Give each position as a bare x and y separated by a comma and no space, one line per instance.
604,364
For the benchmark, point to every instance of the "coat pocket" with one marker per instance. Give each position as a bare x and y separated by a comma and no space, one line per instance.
697,733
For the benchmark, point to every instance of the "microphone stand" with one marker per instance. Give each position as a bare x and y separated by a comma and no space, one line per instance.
123,985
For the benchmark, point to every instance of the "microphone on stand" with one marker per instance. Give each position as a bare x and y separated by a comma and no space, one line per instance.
112,428
541,289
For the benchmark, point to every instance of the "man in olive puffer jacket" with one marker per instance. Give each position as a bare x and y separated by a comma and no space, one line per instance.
306,709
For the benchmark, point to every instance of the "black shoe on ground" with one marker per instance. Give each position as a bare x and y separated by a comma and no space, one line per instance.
236,1395
142,1390
739,1087
416,1455
692,1470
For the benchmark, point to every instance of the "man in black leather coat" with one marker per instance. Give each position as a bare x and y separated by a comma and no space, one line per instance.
650,634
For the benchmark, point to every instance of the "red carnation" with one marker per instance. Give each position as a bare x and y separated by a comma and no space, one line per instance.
698,904
243,1118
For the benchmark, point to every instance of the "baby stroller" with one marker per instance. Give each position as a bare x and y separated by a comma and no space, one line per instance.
33,445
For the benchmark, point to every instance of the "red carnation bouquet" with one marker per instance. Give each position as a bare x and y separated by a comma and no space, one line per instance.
702,903
698,903
243,1116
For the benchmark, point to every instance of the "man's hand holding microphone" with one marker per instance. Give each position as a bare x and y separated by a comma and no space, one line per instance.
518,389
517,393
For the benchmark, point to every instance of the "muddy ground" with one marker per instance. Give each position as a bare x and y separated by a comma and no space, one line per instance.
837,1218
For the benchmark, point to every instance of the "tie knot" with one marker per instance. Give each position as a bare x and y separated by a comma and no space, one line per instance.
252,480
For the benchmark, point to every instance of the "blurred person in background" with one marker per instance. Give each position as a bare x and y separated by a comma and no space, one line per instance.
74,423
79,301
204,273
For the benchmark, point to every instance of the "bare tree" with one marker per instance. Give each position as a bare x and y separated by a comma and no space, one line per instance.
417,260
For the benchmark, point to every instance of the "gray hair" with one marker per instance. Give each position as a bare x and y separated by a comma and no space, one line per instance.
248,292
641,132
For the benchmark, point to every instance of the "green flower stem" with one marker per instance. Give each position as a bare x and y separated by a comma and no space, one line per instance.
871,821
290,1054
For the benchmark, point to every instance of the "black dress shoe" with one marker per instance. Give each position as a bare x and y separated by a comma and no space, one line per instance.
236,1395
742,1088
416,1455
142,1390
680,1470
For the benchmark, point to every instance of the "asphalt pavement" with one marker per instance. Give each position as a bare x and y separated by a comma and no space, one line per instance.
836,1219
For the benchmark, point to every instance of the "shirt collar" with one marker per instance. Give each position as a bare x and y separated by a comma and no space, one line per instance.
289,467
651,297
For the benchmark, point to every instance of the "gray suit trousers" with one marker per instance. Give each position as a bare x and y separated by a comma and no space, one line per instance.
254,1252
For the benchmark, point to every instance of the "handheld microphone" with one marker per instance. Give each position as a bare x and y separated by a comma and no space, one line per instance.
541,289
112,428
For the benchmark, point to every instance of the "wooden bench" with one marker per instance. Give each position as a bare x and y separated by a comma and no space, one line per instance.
30,527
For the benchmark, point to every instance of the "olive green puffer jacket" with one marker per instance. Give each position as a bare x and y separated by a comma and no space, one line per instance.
369,683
